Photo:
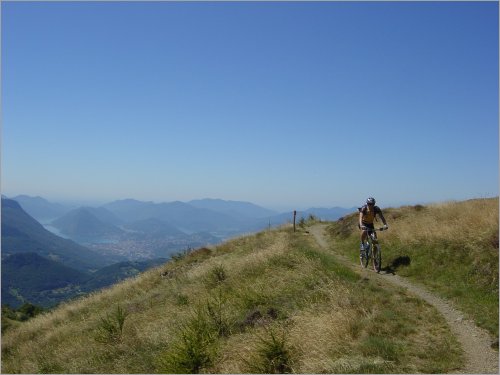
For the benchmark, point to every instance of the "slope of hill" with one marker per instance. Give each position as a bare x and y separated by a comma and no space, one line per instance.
88,224
39,208
21,233
274,302
28,277
130,210
104,215
451,248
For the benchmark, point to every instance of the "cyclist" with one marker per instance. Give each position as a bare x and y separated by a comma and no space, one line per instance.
367,215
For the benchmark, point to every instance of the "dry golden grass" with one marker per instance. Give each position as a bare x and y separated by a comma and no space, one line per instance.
469,221
451,247
274,285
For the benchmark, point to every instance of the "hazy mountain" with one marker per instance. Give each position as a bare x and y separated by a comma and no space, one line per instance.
190,218
182,215
130,210
214,215
104,215
331,214
28,277
39,208
42,268
327,214
87,223
121,219
21,233
233,208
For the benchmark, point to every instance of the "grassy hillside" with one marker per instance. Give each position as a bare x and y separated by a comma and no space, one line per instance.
451,248
274,302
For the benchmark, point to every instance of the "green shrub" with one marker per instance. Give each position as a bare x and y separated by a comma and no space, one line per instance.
194,348
302,223
181,299
30,310
273,355
217,315
111,328
312,219
218,274
380,347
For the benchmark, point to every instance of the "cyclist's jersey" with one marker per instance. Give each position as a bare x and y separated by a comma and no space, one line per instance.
369,215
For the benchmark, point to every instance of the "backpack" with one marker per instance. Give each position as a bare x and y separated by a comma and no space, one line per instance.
376,209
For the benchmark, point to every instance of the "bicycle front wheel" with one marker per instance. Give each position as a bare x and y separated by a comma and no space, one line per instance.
377,258
364,258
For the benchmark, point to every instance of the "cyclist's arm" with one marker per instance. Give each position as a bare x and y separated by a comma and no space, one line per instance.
361,220
382,217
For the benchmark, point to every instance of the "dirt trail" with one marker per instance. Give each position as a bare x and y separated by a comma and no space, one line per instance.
476,342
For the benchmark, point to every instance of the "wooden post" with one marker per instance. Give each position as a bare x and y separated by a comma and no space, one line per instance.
294,215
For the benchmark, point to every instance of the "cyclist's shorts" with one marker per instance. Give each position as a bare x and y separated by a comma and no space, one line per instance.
369,226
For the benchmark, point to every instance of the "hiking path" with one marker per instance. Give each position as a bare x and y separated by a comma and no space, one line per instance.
476,342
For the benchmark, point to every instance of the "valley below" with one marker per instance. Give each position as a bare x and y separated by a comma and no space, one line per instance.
150,247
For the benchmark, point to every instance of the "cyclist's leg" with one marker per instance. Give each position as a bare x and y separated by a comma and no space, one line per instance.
364,235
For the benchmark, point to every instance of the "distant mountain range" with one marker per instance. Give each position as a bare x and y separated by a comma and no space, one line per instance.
233,208
21,233
326,214
183,216
124,218
42,268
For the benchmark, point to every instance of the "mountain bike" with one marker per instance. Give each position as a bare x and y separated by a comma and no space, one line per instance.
371,243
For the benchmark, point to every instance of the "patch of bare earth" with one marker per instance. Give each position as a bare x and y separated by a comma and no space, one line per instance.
476,342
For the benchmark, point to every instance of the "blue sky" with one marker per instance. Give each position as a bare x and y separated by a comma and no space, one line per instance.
284,104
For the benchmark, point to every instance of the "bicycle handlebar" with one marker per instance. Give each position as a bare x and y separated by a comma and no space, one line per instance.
374,229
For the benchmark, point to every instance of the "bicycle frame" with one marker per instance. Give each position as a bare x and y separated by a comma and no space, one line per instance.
372,237
373,246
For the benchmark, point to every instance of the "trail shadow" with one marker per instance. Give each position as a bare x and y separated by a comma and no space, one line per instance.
396,263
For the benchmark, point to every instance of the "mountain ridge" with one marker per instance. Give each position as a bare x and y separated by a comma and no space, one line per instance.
217,204
88,222
39,208
21,232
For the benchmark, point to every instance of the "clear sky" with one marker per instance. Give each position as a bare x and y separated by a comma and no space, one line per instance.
284,104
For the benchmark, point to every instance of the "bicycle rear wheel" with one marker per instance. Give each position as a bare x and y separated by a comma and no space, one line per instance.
377,258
